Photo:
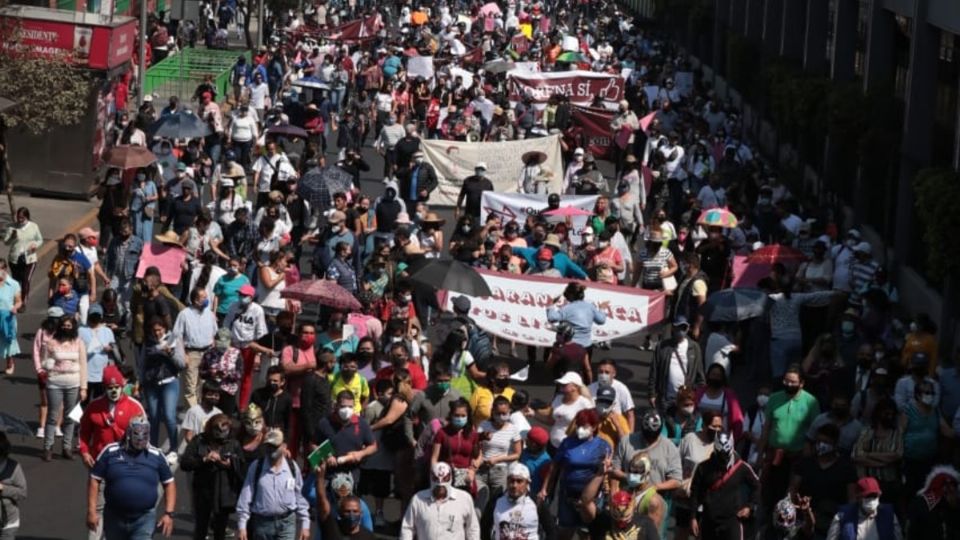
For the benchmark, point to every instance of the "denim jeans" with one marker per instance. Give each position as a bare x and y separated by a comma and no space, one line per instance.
272,528
141,527
783,352
161,405
55,398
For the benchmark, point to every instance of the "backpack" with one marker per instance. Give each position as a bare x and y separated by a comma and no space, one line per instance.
479,344
294,470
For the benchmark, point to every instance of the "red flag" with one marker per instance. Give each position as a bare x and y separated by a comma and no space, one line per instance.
596,130
647,120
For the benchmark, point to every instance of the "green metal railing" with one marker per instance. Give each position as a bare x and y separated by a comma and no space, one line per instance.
180,74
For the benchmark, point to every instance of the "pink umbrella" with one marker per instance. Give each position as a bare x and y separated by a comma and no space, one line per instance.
322,291
568,211
490,10
647,120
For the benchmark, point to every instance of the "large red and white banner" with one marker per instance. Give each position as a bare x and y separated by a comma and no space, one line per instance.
596,130
580,86
517,309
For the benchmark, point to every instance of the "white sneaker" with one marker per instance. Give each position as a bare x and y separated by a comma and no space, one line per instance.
40,432
59,432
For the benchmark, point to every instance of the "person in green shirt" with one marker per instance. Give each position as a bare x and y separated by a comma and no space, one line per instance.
789,413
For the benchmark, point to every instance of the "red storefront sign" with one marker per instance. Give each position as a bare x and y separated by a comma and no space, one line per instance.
50,32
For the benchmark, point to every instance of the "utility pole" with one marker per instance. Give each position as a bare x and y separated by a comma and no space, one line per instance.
142,67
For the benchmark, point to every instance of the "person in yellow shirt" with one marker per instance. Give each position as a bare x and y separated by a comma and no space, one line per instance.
922,338
349,379
613,425
497,384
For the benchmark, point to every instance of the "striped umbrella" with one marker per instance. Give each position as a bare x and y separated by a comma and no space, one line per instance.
718,217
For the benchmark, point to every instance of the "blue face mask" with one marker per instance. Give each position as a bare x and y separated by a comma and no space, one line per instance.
350,521
459,421
205,304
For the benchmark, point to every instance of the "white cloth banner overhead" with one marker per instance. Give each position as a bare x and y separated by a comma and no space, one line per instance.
420,66
517,206
517,309
455,160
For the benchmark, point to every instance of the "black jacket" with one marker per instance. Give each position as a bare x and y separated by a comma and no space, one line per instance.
660,368
315,403
427,181
213,482
276,409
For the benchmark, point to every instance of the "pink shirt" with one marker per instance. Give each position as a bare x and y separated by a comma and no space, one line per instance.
305,357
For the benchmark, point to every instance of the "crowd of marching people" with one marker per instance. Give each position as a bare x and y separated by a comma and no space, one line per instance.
298,417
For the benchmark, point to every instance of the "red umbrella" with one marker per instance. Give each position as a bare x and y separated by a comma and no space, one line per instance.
775,253
128,157
568,211
324,292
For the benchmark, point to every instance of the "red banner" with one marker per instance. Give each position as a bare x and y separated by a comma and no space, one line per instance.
94,46
581,87
596,130
358,30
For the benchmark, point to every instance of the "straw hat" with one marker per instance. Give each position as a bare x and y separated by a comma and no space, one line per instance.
433,217
169,237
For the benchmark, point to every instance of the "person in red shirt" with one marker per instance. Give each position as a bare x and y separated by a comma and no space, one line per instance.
106,418
399,357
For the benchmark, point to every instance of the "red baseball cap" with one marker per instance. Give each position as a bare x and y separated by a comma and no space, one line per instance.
112,376
538,435
868,486
248,290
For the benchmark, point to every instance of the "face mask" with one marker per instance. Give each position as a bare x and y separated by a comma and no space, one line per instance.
253,426
407,299
762,400
307,341
543,265
231,271
680,333
870,506
584,432
653,246
481,173
138,436
714,383
927,399
335,229
791,390
465,229
605,378
274,387
221,432
824,448
63,290
246,300
345,413
204,304
349,521
275,452
443,387
687,411
365,356
503,418
113,394
459,421
336,325
635,480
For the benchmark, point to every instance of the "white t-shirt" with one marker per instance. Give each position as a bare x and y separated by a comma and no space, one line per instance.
520,422
624,401
384,102
90,253
515,520
243,128
267,166
792,224
677,370
500,440
563,415
246,323
258,95
196,418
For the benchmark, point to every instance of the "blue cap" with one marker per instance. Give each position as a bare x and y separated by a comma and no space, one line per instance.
681,320
95,309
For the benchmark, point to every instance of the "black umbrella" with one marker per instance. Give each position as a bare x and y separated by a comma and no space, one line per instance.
450,275
313,188
183,124
731,305
14,426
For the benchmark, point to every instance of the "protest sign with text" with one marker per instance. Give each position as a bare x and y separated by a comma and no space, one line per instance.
517,309
581,87
517,206
596,130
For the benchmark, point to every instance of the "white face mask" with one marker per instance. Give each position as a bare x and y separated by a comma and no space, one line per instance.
583,433
688,410
870,506
605,378
345,413
927,399
762,400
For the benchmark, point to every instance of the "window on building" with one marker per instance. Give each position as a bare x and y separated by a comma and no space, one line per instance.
901,47
945,115
860,51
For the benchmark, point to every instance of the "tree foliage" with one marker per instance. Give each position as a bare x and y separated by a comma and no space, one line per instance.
938,209
50,92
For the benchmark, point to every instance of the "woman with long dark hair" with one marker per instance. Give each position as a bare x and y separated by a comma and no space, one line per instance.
216,460
64,368
458,444
161,361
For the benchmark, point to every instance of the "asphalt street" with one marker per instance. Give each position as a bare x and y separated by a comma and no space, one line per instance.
55,508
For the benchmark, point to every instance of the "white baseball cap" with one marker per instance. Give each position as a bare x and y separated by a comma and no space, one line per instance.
480,165
570,377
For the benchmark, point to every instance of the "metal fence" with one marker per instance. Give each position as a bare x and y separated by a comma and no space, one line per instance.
180,74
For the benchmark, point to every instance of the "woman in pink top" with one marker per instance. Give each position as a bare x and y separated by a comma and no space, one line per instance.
64,366
47,327
297,360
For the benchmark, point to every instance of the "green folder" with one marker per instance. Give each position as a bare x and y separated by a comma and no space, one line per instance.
320,454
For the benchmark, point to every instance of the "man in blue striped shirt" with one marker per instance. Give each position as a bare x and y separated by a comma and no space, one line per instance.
271,503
